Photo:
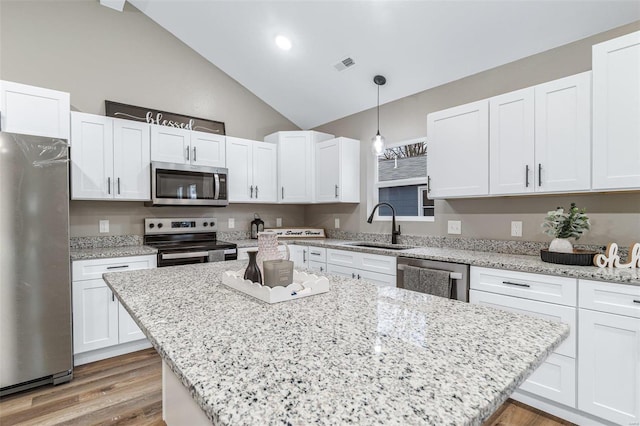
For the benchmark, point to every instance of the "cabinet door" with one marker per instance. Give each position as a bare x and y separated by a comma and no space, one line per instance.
95,316
128,330
295,168
91,157
609,367
327,171
131,160
381,280
563,134
31,110
511,141
299,255
343,271
350,259
616,108
207,149
458,161
317,266
240,165
265,177
170,145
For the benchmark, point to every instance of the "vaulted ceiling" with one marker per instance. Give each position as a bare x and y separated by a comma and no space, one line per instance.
417,45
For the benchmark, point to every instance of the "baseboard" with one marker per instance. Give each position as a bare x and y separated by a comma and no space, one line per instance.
111,351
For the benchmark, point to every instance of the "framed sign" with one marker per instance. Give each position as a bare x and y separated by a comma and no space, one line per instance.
162,118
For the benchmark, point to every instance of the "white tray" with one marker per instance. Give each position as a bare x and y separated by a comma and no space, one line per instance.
303,285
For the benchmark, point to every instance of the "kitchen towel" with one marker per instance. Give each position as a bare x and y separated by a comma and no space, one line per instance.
430,281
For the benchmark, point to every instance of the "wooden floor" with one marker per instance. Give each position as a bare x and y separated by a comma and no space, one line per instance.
127,390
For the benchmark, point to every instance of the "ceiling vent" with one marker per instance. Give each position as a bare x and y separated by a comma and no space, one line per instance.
344,64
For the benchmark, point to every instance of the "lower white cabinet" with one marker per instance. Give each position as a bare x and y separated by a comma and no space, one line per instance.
375,268
529,294
609,348
101,325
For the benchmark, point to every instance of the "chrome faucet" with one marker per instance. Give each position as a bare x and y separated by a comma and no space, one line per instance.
394,232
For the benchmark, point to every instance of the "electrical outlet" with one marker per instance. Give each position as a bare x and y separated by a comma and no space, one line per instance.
104,226
278,222
337,223
454,227
516,228
232,223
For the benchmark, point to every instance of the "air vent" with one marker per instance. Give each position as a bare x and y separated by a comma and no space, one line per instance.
344,64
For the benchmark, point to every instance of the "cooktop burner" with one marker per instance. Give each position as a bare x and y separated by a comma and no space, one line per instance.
173,234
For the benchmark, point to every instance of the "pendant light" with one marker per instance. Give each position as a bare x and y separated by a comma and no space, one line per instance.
377,142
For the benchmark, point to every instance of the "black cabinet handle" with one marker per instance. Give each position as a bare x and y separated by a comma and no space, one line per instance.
526,176
108,185
516,284
251,188
117,267
187,153
256,191
539,174
118,186
636,301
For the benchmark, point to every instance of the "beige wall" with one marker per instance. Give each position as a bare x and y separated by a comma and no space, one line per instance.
614,216
99,54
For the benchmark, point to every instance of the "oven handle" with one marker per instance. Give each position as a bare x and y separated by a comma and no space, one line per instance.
193,254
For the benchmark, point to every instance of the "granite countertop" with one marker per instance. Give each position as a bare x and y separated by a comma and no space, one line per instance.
106,252
358,354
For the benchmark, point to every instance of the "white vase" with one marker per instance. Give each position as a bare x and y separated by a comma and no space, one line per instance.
561,245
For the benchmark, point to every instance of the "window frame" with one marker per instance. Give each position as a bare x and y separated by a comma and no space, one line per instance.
399,182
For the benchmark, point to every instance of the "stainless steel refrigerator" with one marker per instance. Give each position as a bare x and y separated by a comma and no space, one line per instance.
35,285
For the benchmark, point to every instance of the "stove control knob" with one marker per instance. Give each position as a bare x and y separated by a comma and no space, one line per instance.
151,225
205,224
212,223
159,225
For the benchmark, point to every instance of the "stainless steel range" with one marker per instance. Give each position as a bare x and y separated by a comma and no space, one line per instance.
182,241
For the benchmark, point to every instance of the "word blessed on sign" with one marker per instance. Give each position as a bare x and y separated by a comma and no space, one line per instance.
162,118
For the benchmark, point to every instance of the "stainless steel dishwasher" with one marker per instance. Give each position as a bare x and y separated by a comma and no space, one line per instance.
459,274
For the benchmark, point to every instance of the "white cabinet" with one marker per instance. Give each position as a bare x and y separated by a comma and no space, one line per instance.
616,108
375,268
33,110
101,326
182,146
299,256
252,171
543,296
109,158
296,164
458,160
338,171
609,347
310,257
540,138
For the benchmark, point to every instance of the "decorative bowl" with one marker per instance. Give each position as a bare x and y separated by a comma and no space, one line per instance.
577,258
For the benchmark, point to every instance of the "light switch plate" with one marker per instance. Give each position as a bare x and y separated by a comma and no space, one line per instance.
232,223
454,227
337,223
278,222
104,226
516,228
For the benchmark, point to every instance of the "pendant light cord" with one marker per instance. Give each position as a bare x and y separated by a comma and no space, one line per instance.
378,109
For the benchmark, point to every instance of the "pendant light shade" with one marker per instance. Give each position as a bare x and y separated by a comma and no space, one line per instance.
377,142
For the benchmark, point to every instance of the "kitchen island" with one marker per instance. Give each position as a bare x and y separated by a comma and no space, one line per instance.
358,354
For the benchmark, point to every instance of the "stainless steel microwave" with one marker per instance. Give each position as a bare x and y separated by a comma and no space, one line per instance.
187,185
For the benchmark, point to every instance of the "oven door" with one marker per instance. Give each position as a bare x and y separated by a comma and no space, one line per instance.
174,258
183,184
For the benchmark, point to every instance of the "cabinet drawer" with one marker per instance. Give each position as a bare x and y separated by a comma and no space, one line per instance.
609,297
94,268
343,257
317,254
317,266
549,311
555,379
381,280
545,288
378,263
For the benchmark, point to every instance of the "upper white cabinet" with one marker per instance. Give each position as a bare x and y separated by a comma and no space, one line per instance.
616,108
181,146
338,171
252,171
109,158
33,110
296,164
458,160
540,138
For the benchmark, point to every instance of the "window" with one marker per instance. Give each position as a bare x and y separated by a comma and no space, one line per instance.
401,180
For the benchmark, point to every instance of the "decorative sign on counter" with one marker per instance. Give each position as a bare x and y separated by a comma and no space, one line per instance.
303,285
611,259
298,232
162,118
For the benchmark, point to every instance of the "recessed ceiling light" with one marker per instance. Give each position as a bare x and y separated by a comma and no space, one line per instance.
283,43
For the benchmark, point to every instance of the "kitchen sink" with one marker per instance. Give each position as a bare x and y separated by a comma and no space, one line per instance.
384,246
